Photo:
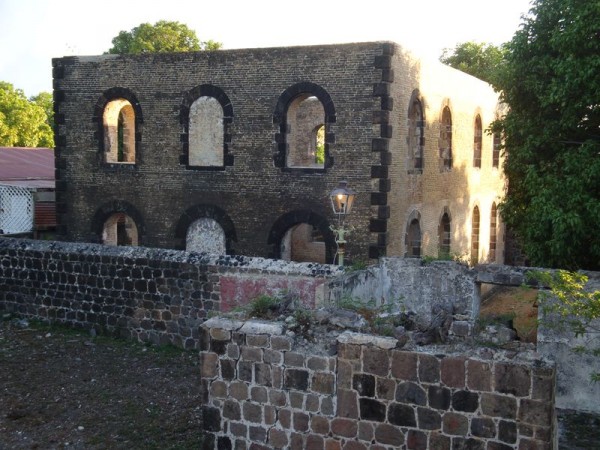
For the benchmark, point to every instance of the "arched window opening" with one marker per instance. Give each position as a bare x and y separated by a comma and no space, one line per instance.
475,236
446,139
303,243
496,150
205,235
413,239
206,133
477,142
120,229
493,232
444,236
415,136
305,132
119,132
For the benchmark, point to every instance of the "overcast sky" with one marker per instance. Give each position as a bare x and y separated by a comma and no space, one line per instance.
32,32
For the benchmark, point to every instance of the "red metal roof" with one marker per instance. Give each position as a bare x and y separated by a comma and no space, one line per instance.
27,167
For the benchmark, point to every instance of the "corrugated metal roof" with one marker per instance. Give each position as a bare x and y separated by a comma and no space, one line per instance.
27,167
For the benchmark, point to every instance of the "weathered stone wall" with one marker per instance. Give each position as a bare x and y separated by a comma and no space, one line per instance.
261,393
161,296
365,90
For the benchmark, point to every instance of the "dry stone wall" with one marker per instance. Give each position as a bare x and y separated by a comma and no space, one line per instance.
160,296
261,393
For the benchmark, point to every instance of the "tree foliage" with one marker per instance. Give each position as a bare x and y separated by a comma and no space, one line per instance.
164,36
480,59
23,122
551,84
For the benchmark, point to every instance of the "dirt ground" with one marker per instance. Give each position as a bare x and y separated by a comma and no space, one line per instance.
65,389
514,304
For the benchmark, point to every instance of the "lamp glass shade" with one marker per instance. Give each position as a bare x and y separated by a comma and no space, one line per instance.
342,199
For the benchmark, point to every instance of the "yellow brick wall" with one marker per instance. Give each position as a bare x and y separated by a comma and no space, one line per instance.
458,190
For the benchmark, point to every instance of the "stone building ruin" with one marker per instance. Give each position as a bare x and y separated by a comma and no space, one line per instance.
235,151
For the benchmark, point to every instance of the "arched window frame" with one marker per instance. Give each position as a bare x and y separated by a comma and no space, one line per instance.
413,247
415,139
475,235
189,98
445,234
286,101
493,233
445,143
111,208
115,104
477,142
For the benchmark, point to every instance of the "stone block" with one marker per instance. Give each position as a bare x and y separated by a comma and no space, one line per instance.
404,365
512,379
257,340
429,369
439,397
402,415
218,389
347,404
211,418
233,351
232,410
364,384
535,412
496,405
317,363
452,371
365,431
344,375
295,379
220,334
344,427
331,444
438,441
319,425
262,374
455,424
385,388
296,441
238,429
270,414
323,383
465,401
498,446
278,438
281,343
224,443
543,384
238,390
209,365
293,359
468,443
349,351
259,394
301,421
371,409
252,354
285,418
258,327
460,328
354,445
272,356
228,369
314,442
389,435
376,361
257,434
327,406
429,419
277,397
416,440
483,427
252,412
507,431
409,392
312,403
297,400
479,375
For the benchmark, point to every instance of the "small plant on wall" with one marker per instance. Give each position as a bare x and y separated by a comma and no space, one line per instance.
569,307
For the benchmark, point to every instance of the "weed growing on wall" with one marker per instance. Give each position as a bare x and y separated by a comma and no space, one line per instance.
569,307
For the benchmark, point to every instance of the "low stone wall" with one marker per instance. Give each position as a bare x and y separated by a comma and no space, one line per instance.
261,393
155,295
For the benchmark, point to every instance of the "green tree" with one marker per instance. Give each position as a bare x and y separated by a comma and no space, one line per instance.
482,60
551,84
23,123
164,36
45,100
